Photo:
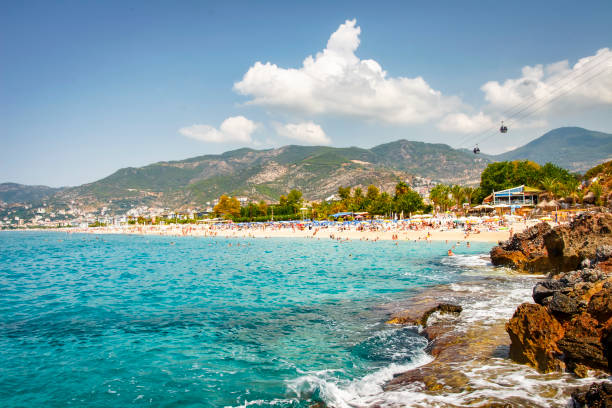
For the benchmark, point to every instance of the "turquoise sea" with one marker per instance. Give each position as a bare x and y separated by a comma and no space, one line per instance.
115,321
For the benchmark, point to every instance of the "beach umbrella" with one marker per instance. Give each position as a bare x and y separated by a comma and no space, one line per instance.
553,204
542,204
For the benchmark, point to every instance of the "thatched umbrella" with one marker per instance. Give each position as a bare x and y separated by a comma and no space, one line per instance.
589,198
553,204
542,204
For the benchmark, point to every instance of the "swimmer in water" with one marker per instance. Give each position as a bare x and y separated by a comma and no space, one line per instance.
450,252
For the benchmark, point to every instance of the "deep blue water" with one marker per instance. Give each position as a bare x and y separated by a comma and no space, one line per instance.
102,321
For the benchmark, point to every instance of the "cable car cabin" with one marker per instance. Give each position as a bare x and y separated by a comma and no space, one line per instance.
503,128
476,150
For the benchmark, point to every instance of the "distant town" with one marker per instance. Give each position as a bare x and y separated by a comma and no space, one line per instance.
47,215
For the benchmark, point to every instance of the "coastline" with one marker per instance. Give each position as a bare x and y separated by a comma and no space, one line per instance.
469,361
334,232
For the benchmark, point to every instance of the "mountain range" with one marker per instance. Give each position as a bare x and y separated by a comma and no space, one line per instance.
315,170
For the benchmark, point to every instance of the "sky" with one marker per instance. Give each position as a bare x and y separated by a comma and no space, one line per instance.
89,87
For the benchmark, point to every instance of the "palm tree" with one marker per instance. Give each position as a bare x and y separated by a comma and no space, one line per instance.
549,184
458,194
439,196
571,188
469,193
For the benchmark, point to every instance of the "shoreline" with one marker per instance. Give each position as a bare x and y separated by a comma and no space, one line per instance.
334,232
470,362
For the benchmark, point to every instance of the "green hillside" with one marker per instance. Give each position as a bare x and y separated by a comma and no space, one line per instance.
19,193
317,171
573,148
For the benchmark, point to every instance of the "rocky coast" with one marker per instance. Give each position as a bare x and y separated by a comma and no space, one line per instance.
554,349
569,325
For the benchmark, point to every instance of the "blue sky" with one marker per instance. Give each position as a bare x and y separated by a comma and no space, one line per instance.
90,87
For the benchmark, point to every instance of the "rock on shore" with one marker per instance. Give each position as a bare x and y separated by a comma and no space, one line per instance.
570,325
542,249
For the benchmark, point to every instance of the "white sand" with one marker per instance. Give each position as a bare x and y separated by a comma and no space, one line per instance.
402,232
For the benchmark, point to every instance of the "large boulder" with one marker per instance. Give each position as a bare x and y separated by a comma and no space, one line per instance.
570,326
542,249
534,334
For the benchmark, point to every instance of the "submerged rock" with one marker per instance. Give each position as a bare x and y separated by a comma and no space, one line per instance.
442,308
597,395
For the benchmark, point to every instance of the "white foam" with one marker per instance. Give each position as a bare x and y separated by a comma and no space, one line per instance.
461,260
347,394
278,401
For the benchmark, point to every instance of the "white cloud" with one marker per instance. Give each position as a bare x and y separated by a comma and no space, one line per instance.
555,88
335,81
306,132
235,129
462,123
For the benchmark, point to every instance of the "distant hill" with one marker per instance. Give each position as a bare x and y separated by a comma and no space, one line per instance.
266,174
20,193
315,170
573,148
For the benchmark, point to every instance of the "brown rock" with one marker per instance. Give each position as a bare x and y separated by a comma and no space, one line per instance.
442,308
534,334
600,305
562,304
582,343
597,395
564,248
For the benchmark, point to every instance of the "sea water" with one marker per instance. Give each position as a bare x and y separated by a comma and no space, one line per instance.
111,320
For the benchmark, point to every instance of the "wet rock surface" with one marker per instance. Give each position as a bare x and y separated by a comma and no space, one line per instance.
569,327
570,323
442,308
597,395
542,249
471,365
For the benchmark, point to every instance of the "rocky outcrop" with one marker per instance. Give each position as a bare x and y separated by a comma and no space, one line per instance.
570,324
534,335
542,249
597,395
442,308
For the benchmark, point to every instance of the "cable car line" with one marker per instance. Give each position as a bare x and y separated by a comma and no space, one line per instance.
547,102
507,113
555,94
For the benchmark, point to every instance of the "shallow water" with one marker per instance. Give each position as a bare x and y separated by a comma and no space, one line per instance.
160,321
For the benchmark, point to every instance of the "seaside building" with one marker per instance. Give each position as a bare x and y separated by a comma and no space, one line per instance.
516,196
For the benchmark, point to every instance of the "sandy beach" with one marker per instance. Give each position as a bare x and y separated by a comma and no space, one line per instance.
391,231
